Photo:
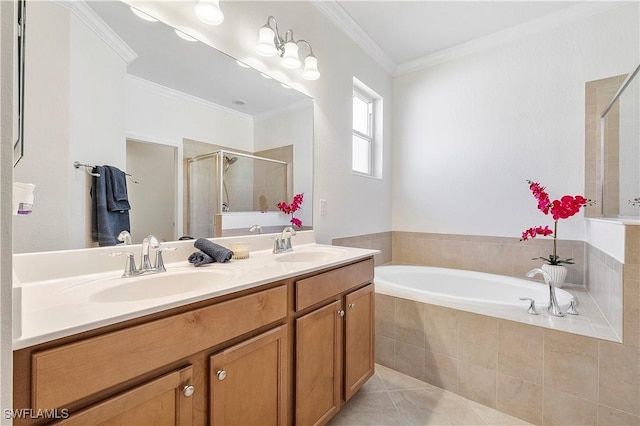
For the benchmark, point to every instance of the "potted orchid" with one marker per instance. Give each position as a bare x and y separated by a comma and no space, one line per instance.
292,208
563,208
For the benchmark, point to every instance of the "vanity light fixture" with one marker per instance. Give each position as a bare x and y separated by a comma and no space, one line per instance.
270,43
208,11
140,14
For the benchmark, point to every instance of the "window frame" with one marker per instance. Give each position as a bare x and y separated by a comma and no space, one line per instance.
370,137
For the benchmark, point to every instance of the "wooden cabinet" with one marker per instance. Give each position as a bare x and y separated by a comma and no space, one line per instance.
288,352
247,382
318,364
359,343
164,401
334,342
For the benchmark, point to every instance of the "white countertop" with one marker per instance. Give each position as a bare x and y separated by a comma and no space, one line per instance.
65,305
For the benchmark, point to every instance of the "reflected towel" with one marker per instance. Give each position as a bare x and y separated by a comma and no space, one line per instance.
116,189
199,258
106,225
216,251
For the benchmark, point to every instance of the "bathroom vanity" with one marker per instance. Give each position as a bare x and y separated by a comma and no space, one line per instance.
286,342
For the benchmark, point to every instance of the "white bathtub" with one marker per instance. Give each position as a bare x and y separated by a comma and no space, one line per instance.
450,287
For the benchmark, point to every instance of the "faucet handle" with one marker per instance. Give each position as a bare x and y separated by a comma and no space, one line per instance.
532,305
130,265
125,237
256,229
572,307
159,266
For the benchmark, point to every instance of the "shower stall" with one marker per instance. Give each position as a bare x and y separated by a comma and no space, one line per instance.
222,185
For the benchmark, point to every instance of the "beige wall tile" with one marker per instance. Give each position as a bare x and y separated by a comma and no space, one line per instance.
409,360
519,398
477,383
475,256
631,312
409,323
478,339
500,259
441,330
559,408
520,351
385,315
385,350
619,372
611,416
441,371
571,364
632,244
452,253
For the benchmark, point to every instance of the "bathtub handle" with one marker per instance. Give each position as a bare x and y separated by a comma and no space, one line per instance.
532,305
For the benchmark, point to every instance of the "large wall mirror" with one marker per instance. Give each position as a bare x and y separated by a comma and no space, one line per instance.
211,146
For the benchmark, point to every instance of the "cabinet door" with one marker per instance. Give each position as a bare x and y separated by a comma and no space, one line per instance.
163,401
318,364
359,339
248,381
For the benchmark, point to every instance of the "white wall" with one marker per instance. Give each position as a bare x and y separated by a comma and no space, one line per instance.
356,205
469,132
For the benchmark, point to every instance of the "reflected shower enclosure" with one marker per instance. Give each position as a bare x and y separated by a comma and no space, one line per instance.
226,182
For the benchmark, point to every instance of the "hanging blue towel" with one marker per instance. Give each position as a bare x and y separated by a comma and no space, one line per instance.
106,225
116,189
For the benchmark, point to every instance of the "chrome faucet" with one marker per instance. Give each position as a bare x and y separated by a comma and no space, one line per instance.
283,244
149,241
553,307
255,229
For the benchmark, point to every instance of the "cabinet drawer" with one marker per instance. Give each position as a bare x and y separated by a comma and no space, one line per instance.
71,372
310,291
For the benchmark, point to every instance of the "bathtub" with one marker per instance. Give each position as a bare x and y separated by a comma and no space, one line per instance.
460,288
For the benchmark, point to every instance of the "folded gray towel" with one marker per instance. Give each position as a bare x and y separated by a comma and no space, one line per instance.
219,253
199,258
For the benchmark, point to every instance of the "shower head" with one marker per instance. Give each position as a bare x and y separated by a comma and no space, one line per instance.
228,161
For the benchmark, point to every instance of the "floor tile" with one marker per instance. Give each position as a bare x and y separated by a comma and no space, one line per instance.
392,398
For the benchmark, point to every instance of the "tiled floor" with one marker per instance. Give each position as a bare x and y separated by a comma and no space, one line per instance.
392,398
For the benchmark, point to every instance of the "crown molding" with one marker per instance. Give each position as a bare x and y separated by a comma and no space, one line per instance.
100,28
508,35
167,92
345,22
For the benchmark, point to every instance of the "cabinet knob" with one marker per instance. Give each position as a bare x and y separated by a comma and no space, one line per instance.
341,312
352,305
221,374
188,390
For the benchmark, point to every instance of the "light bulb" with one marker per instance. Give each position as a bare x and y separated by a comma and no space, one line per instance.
208,11
310,71
266,45
290,58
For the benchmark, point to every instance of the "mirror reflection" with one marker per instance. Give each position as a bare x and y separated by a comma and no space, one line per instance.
103,87
621,151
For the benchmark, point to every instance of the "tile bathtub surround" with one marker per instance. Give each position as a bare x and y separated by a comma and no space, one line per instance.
605,284
377,241
496,255
558,377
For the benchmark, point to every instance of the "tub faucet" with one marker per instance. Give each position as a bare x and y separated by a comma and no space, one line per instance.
553,307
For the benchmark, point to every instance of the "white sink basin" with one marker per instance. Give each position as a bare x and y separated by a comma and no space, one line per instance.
161,285
311,255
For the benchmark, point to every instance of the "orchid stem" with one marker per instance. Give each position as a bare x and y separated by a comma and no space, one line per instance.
555,236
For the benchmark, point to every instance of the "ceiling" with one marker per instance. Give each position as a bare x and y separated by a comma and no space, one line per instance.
406,35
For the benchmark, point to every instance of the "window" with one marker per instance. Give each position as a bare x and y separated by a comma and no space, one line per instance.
366,152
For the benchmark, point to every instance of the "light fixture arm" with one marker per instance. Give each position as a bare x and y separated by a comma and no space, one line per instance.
308,45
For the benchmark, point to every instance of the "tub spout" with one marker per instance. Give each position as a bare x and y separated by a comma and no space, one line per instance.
553,307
